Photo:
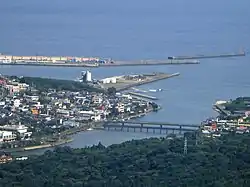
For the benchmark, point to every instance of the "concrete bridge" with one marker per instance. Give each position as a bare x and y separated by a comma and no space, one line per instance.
155,127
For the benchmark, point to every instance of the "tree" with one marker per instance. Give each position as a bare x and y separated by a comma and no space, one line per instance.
111,91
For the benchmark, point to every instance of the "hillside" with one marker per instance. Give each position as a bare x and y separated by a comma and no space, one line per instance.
151,162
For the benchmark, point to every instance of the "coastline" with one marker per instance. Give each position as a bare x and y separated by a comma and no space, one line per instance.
96,65
30,148
94,125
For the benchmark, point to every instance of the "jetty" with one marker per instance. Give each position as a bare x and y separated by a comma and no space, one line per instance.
242,53
143,96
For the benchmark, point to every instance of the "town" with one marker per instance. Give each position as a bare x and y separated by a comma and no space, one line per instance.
233,117
40,113
32,116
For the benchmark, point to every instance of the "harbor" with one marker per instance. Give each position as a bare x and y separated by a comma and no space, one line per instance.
94,62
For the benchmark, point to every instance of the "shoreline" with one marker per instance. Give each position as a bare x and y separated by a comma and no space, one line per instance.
95,126
37,147
95,65
154,79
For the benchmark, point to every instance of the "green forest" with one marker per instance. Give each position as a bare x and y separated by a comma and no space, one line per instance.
43,84
220,162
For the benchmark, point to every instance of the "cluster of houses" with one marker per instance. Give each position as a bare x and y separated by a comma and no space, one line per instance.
215,127
25,111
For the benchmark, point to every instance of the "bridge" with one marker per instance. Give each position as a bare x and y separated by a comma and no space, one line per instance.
155,127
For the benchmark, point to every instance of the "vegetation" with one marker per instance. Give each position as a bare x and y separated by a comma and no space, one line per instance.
43,84
111,91
151,162
239,104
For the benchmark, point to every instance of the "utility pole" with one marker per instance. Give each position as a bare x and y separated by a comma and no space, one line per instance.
196,138
185,146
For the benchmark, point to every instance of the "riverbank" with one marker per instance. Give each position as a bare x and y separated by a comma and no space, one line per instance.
43,146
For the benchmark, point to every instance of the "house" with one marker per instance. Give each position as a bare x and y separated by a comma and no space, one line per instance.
32,98
120,107
7,136
21,129
5,157
17,103
96,99
71,123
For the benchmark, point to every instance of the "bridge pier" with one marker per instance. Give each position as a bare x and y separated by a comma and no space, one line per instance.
141,127
180,130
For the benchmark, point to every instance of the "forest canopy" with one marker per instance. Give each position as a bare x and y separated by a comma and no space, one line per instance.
223,161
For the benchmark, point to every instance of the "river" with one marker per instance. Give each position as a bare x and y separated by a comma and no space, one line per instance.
137,30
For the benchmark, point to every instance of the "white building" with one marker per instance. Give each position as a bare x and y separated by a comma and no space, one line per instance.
120,107
21,129
96,99
112,80
17,103
86,76
32,97
6,136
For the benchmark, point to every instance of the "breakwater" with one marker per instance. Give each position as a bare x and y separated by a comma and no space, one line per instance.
143,96
207,56
157,77
149,63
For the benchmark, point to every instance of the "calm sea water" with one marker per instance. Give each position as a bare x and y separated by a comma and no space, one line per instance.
137,30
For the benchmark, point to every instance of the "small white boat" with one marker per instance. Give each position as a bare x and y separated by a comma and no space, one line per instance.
155,90
90,129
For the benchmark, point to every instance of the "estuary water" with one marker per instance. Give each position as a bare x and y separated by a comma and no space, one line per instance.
139,29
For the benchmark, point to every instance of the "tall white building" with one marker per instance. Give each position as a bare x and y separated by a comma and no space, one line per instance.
86,76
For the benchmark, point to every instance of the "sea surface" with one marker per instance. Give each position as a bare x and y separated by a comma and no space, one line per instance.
132,30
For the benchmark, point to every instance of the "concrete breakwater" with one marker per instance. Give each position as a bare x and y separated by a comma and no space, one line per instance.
124,85
149,63
207,56
70,61
143,96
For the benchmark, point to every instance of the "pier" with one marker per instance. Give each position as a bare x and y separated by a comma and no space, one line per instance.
142,96
207,56
154,127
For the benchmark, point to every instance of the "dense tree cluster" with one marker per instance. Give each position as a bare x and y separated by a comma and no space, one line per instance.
224,161
43,84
